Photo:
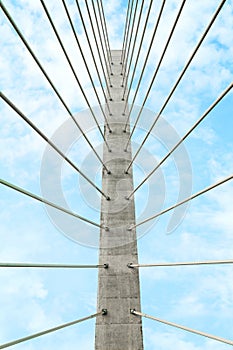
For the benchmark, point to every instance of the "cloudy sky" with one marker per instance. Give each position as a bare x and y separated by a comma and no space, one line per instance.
198,297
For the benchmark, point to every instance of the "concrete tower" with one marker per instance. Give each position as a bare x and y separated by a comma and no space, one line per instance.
118,289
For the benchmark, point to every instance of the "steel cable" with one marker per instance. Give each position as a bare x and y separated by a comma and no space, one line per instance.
108,67
94,60
124,67
127,36
178,81
136,61
47,77
45,201
71,67
183,263
145,62
210,336
104,36
52,266
106,30
125,30
46,139
107,79
87,68
205,114
54,329
182,202
156,71
125,78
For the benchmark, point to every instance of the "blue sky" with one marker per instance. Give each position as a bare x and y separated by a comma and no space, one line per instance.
198,297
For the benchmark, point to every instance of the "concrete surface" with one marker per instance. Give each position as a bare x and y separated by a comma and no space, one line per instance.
118,289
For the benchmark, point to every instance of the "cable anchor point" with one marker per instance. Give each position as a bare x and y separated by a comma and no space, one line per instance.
104,312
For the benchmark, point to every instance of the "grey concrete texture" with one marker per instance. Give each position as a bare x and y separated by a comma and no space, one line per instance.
118,286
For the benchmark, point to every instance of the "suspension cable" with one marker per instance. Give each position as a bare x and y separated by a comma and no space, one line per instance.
179,79
156,71
108,67
127,36
125,30
106,30
88,70
145,62
50,330
94,60
183,201
214,104
97,46
71,67
46,139
136,62
40,199
126,75
124,67
47,77
56,266
188,263
222,340
104,35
